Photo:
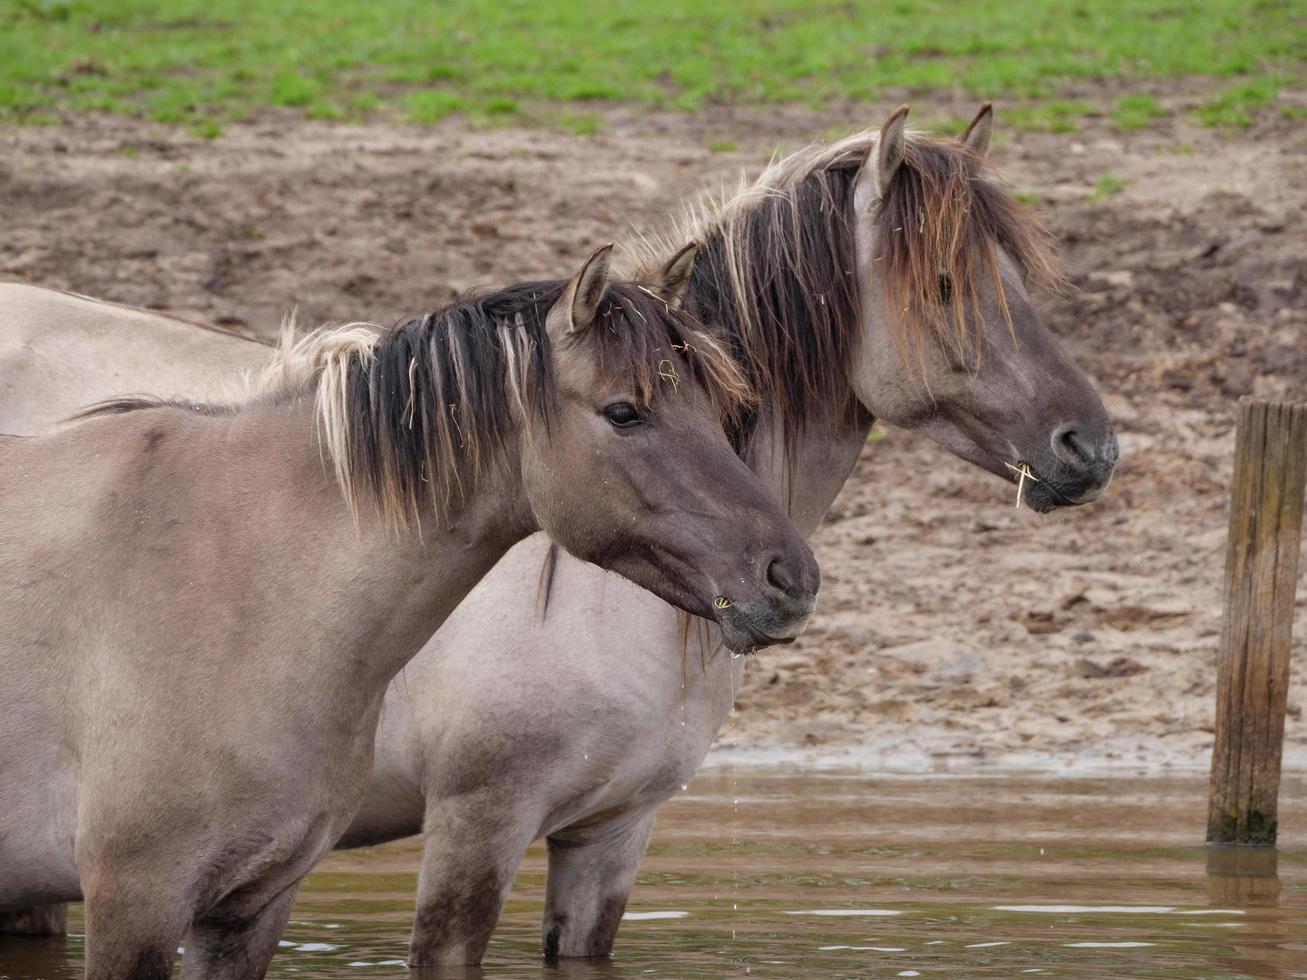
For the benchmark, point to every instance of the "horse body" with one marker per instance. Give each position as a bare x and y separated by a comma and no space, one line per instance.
199,627
625,729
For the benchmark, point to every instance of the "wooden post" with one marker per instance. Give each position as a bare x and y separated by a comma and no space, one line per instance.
1261,576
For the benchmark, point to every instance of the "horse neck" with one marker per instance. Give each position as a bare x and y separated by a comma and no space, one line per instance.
371,594
807,471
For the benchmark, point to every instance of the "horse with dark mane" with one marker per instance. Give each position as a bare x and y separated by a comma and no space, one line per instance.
203,605
881,276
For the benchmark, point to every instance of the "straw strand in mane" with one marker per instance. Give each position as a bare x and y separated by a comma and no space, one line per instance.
775,270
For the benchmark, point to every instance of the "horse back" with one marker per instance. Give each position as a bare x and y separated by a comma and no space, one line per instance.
60,351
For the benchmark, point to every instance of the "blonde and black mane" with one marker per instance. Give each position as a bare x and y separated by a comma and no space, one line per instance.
420,416
776,275
411,418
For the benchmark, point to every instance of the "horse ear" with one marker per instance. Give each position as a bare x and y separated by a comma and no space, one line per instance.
669,281
976,136
885,158
579,304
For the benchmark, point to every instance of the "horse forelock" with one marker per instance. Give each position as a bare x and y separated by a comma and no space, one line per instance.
938,232
776,271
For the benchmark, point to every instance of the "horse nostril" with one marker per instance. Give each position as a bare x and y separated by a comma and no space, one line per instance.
1071,446
779,577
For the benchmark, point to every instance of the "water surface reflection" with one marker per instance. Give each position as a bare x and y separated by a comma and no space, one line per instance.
772,874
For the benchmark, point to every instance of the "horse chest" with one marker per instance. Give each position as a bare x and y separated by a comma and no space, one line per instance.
659,751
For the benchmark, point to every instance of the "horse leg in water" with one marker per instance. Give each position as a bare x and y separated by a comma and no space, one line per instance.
39,920
236,943
134,921
473,846
591,871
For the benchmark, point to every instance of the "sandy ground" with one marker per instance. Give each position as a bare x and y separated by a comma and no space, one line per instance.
953,630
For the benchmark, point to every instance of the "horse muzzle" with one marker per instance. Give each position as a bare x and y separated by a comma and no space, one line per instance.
779,609
1078,473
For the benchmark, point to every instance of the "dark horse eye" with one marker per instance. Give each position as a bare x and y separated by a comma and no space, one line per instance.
946,289
623,415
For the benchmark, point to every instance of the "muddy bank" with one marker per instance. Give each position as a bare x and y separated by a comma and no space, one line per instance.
953,630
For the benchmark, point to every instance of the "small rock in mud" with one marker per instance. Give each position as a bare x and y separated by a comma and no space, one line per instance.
1117,667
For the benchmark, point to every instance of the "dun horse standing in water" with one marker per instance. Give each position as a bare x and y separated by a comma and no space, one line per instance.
201,607
879,276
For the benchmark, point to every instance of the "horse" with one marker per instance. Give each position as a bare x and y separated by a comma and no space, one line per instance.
880,276
203,604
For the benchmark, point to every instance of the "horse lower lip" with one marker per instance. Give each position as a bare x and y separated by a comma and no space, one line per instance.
1075,496
1083,497
758,635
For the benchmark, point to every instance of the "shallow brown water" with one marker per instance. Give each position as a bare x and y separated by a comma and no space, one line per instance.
773,874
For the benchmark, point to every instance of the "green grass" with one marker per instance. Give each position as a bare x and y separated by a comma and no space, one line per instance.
581,123
1106,186
1234,106
1051,115
1137,110
203,64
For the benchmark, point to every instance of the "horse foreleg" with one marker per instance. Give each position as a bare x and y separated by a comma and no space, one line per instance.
473,845
39,920
134,924
227,944
590,879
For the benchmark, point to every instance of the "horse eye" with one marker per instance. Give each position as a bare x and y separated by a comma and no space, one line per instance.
946,289
623,415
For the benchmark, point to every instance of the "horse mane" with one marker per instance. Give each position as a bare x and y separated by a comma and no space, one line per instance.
414,416
774,272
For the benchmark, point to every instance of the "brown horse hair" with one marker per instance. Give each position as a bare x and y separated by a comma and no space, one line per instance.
413,417
774,277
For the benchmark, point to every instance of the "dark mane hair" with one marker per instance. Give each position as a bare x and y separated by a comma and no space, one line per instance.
412,417
774,278
776,273
422,414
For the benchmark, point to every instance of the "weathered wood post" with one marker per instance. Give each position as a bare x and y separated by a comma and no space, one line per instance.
1261,576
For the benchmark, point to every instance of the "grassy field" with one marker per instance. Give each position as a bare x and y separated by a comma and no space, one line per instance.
553,61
